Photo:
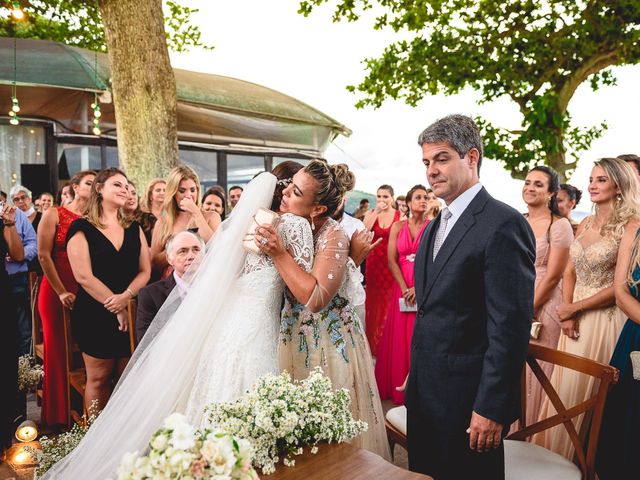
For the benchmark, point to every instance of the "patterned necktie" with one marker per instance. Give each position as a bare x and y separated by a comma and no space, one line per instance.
444,219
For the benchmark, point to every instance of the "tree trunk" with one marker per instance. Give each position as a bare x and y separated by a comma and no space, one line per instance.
556,160
144,88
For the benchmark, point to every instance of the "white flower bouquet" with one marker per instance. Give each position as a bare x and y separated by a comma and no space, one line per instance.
280,417
29,373
178,451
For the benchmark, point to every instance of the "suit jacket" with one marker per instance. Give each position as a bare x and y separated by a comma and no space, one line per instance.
150,299
475,305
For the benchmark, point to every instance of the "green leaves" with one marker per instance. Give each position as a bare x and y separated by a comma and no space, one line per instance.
535,52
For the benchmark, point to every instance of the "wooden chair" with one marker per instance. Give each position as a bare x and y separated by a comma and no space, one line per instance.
524,460
395,422
76,373
132,307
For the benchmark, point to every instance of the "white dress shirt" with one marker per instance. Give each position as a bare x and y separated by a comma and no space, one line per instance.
459,205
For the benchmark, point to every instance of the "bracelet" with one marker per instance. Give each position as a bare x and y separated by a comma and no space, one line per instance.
130,292
9,224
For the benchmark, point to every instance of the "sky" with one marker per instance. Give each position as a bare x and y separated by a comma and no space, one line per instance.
313,59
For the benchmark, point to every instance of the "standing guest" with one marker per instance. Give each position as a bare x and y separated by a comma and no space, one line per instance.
554,236
66,194
58,289
235,193
21,198
181,212
132,206
3,196
362,209
433,205
319,326
46,201
18,271
591,322
377,275
401,204
214,200
474,278
633,161
619,444
10,245
37,204
182,249
566,200
392,364
110,261
154,198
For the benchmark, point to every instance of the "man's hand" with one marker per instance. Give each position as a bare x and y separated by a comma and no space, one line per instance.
484,434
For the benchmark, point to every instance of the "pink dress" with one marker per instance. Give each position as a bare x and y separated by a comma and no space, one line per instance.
394,351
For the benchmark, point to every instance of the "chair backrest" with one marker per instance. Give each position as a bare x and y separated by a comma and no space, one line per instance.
36,325
592,408
132,307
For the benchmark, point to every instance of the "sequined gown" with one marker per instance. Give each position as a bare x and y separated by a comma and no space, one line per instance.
595,264
560,235
54,385
334,339
378,285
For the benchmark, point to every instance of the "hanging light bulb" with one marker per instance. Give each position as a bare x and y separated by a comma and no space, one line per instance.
96,130
16,11
15,105
13,113
95,106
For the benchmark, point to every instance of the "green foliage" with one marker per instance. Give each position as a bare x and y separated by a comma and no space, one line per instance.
78,23
537,53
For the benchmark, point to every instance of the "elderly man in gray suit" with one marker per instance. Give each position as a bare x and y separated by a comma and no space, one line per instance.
474,278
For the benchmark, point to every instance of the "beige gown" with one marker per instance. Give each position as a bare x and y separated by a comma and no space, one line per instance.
595,262
560,235
334,338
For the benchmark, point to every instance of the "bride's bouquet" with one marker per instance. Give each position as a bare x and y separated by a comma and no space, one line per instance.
178,451
280,417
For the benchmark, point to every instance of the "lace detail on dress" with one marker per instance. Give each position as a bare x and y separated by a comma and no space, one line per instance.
298,240
595,263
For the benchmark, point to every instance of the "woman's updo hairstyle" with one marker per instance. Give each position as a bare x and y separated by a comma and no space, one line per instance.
334,181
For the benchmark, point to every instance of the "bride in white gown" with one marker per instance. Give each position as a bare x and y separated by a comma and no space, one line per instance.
209,346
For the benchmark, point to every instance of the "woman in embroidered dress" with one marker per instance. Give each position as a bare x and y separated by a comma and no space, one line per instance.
325,330
58,289
553,238
590,320
392,364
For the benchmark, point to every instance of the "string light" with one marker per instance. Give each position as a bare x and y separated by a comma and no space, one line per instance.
16,11
15,104
95,106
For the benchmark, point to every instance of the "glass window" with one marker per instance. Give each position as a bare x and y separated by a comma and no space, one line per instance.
242,168
72,158
302,161
112,157
19,145
205,164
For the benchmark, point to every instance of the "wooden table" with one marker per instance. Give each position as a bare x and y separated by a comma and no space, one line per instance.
342,462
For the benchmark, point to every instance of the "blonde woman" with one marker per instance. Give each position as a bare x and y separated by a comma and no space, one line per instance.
181,211
589,318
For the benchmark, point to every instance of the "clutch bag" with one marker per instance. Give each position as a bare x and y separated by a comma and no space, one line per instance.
405,307
635,363
261,217
535,329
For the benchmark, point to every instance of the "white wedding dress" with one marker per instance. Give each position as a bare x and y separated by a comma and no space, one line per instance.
209,346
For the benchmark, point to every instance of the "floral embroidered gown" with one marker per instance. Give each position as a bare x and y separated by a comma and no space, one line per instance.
594,258
333,338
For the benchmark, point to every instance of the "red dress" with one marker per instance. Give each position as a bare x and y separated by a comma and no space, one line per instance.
378,285
54,389
394,352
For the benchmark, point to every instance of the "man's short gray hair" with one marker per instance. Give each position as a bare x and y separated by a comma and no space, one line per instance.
168,246
16,189
459,131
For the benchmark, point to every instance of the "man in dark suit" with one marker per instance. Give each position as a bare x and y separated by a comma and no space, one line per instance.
474,278
182,249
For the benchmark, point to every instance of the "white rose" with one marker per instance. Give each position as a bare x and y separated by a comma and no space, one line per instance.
209,450
174,420
182,437
159,443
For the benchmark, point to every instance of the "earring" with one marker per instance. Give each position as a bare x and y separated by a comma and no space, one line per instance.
618,200
313,225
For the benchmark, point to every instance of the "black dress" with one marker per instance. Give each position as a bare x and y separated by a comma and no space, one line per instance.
93,326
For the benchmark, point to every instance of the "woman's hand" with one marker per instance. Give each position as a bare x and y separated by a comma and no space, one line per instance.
268,241
9,214
403,387
381,206
117,303
67,299
189,206
566,311
123,321
409,296
361,246
571,328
